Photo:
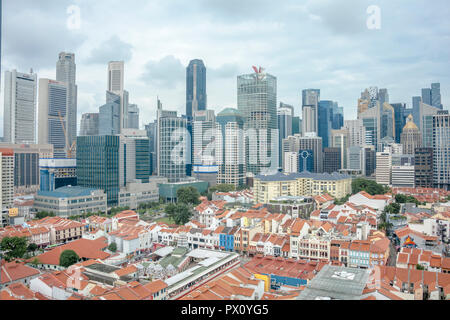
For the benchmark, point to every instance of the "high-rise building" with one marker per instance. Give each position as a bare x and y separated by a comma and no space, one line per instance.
331,160
98,164
441,150
325,121
410,137
399,119
311,144
116,71
257,101
371,119
310,105
337,117
356,131
403,176
423,167
340,139
356,159
296,125
151,130
383,96
7,178
66,72
57,173
426,113
89,125
285,116
306,160
26,165
206,134
109,115
291,162
436,96
416,109
370,164
134,156
173,145
53,116
19,115
196,98
426,96
387,121
133,117
383,168
231,154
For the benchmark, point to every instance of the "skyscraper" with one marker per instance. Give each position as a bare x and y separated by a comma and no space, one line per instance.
340,139
441,150
196,99
133,116
309,143
356,131
383,168
425,123
19,115
231,152
436,95
205,139
257,101
325,121
66,72
89,124
426,96
285,115
98,164
400,119
331,160
310,105
410,137
53,116
423,166
151,130
172,145
109,115
116,70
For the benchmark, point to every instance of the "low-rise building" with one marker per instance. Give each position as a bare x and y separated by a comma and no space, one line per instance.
71,201
269,187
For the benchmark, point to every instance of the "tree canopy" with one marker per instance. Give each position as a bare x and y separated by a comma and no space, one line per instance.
402,198
188,195
180,213
112,247
369,186
14,247
68,258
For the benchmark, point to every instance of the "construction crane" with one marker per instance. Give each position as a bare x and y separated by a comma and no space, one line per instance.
70,149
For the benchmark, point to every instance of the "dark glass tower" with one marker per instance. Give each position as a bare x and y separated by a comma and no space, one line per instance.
195,87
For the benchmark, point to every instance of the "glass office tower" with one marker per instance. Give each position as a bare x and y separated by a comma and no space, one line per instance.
257,101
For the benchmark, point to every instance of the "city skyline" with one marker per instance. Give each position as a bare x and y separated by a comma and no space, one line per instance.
341,61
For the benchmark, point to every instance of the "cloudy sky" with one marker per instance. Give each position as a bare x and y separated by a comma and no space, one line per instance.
322,44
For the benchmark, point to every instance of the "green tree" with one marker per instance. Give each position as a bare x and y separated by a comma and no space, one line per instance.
369,186
44,214
112,247
32,247
14,247
68,258
180,213
419,267
188,195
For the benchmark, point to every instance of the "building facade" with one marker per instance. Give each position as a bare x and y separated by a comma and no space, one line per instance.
19,113
441,150
257,101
